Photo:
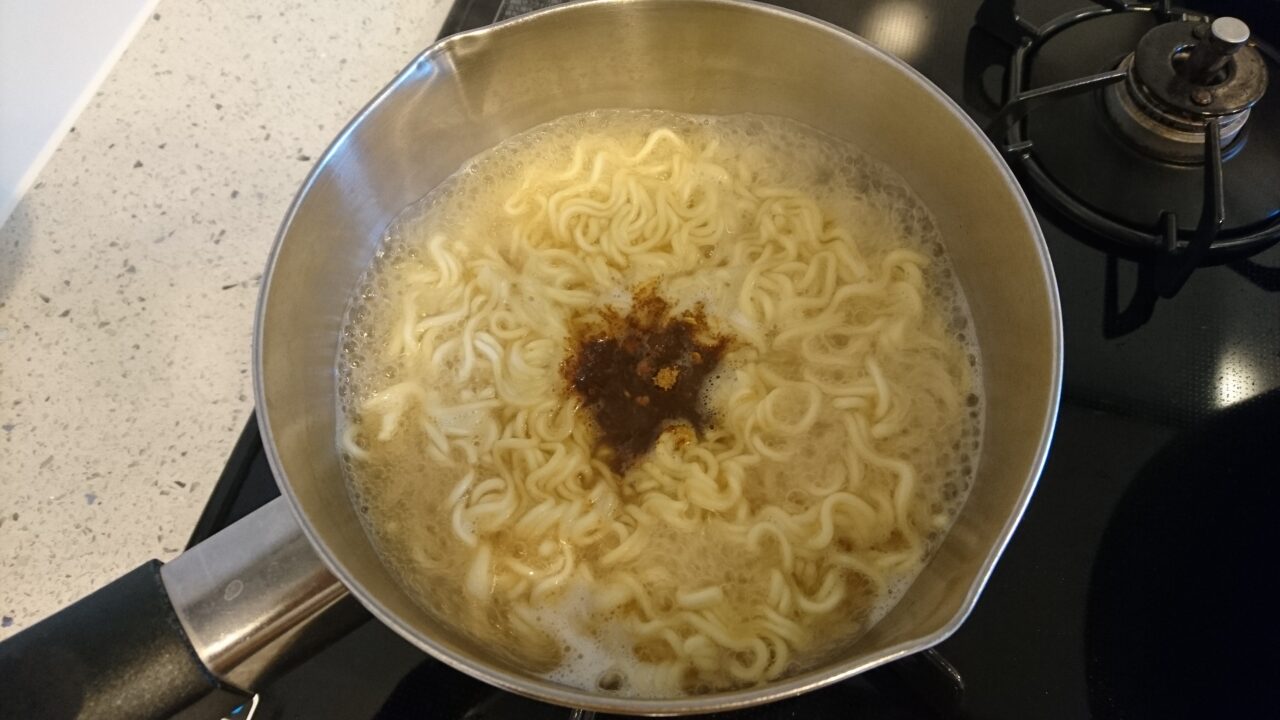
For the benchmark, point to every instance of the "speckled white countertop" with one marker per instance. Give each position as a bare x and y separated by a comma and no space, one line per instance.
129,273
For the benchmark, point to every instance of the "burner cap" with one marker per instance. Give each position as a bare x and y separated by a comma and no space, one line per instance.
1182,75
1199,69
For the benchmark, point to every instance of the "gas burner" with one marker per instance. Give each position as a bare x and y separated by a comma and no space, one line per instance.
1162,138
1182,75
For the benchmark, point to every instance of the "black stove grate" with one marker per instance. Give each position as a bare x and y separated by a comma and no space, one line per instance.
1181,249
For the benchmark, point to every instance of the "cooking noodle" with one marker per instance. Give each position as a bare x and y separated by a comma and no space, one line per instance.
843,416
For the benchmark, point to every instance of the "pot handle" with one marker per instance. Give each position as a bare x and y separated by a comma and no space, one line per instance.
190,639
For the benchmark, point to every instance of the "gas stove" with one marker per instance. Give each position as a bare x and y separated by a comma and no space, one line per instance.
1131,588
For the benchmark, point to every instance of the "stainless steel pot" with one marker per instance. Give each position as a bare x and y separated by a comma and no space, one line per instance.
468,92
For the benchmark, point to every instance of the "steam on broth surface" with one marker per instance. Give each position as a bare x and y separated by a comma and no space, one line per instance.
661,404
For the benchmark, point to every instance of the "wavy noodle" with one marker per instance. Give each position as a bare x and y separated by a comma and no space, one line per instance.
716,561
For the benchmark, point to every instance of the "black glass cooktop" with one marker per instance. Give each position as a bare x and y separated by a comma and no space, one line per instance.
1134,587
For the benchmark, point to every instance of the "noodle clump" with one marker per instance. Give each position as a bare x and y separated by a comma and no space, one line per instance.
843,415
